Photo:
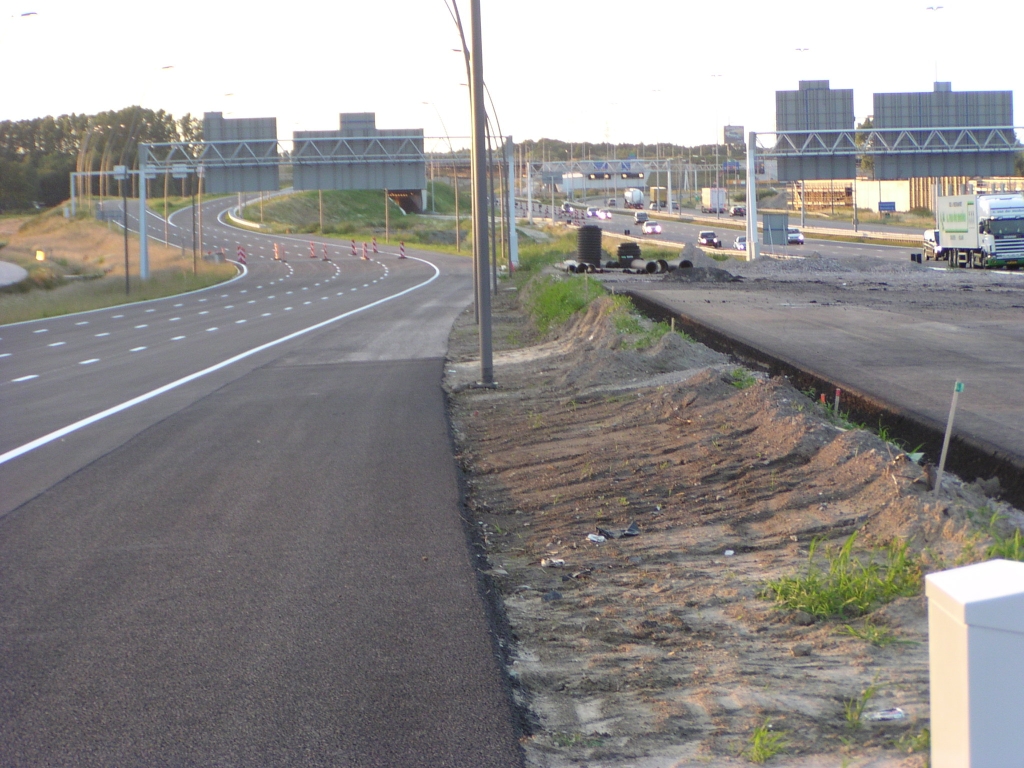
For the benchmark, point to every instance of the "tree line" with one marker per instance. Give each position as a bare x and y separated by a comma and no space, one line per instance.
37,156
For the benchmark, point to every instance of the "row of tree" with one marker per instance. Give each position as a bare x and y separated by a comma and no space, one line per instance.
37,156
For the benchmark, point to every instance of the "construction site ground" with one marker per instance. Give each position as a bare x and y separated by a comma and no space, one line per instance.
663,648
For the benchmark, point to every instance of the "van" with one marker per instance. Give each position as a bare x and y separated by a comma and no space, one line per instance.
931,245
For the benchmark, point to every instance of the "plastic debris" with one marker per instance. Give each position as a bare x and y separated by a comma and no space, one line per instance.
632,530
552,562
885,715
609,534
729,553
597,539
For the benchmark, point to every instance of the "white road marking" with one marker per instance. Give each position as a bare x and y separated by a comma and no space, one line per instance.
90,361
212,329
98,335
177,338
151,310
251,301
205,312
57,434
26,378
179,305
287,309
306,302
82,322
174,319
41,330
136,349
239,321
230,306
57,344
117,317
265,314
5,354
142,326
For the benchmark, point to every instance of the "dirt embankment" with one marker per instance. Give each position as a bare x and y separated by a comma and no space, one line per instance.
658,649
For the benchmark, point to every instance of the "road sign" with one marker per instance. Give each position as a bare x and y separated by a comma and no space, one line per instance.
886,207
180,171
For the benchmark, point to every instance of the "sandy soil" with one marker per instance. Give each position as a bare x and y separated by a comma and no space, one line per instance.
658,649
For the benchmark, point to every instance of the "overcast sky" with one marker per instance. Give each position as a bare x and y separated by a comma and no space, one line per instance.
582,70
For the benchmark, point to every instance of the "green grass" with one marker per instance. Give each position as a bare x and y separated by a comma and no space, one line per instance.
361,214
878,636
80,296
765,743
551,300
915,742
1006,547
741,378
850,585
853,709
575,740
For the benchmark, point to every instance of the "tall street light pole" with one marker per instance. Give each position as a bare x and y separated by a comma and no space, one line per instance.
480,196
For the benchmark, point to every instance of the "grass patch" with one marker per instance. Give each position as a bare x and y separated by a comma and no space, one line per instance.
575,740
878,636
552,301
741,378
915,742
853,709
1006,547
850,585
765,743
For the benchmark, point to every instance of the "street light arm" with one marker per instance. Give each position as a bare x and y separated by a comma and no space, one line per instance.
453,11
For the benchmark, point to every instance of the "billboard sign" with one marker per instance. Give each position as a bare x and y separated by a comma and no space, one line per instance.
732,134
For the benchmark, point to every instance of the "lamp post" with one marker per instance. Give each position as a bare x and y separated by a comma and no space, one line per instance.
121,174
718,166
480,192
455,174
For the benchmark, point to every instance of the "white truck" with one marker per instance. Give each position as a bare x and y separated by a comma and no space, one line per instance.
712,200
978,230
633,198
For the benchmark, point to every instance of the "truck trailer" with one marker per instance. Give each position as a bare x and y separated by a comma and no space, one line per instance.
978,230
712,200
633,198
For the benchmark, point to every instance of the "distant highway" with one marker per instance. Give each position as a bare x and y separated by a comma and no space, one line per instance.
230,528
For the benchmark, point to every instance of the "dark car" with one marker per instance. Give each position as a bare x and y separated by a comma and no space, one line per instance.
709,238
737,210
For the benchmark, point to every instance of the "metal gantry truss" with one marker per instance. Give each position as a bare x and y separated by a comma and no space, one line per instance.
889,141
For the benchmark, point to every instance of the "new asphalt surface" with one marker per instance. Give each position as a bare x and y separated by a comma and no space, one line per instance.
262,561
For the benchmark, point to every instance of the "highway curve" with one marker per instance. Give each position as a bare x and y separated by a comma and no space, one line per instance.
231,529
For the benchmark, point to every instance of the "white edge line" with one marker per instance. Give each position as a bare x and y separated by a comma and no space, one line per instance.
41,441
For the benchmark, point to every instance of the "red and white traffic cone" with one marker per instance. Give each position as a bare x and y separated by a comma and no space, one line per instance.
241,255
354,248
401,250
365,257
325,252
312,250
375,245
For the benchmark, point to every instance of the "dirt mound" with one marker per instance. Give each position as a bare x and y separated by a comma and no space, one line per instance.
658,648
701,275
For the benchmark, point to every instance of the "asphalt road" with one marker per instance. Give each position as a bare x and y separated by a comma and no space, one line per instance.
250,552
730,228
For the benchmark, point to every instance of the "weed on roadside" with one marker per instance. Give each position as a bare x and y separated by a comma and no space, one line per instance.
878,636
552,301
741,378
851,585
1006,547
765,743
853,709
915,742
560,739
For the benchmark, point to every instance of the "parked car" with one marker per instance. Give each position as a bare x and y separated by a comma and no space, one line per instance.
639,217
738,210
651,228
740,243
709,238
794,236
592,213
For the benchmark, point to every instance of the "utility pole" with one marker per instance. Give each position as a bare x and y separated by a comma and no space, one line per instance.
480,197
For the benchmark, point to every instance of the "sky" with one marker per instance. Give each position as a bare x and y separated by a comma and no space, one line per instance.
597,71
